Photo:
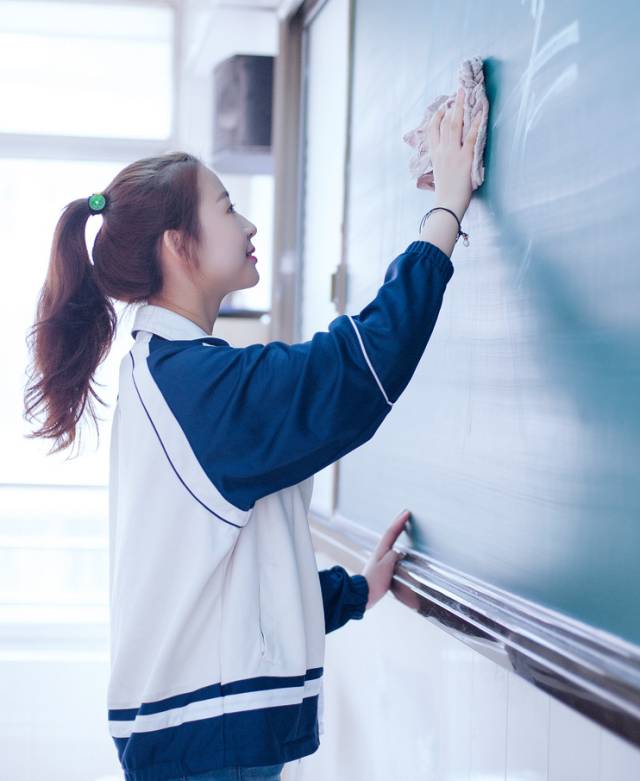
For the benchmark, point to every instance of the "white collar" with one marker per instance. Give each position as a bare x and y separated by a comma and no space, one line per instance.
166,323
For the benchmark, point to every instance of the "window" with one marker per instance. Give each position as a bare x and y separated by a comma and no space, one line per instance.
32,194
87,87
85,69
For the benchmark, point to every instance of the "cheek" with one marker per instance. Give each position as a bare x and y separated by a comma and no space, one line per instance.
215,256
222,256
220,267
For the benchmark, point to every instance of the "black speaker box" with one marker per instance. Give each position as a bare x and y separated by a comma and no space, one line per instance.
243,99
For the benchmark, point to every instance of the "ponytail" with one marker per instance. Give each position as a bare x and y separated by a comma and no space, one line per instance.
75,326
75,319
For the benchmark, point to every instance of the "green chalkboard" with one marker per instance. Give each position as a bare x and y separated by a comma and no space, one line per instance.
516,444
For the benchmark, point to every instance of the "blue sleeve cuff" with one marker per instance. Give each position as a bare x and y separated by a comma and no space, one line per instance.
359,595
425,249
344,596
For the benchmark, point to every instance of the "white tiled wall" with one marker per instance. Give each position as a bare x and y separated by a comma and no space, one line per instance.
406,701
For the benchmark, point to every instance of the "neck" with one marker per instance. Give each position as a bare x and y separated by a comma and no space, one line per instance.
203,313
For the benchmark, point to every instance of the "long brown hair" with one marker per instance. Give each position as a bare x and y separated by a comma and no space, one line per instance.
76,320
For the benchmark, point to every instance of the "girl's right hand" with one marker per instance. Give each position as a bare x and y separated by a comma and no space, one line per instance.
450,157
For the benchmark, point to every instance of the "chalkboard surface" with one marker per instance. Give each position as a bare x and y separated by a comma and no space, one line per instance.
516,444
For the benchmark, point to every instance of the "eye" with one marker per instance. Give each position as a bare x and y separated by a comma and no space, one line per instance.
231,208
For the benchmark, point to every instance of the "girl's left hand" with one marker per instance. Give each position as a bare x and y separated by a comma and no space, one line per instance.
380,567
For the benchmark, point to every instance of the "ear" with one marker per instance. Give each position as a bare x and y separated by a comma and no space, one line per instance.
176,249
171,242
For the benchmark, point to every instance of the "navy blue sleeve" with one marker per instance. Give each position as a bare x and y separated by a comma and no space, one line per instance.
267,416
344,596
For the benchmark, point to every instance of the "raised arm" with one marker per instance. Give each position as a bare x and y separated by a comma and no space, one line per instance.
266,416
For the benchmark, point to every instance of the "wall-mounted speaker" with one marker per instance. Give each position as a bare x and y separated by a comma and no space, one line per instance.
243,100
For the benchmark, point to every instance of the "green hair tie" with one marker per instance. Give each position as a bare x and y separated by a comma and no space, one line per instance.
97,202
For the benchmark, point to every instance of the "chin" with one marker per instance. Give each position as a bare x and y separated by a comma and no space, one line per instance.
252,283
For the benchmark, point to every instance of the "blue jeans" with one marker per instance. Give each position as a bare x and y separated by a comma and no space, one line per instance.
258,773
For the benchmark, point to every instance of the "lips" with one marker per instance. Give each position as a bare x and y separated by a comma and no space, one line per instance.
251,250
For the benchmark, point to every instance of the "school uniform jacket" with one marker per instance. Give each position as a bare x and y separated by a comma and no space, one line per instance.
218,613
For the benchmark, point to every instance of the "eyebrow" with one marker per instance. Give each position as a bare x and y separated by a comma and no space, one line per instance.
223,194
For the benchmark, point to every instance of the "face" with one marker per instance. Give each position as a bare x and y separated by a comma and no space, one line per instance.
226,237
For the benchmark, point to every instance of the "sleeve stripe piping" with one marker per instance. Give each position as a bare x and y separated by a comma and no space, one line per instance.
364,352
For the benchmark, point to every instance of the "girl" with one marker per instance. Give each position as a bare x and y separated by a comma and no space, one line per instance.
218,613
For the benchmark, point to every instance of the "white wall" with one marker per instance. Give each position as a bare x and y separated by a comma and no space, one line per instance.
209,35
